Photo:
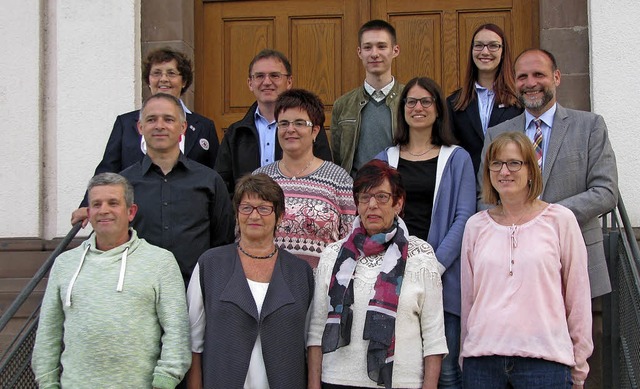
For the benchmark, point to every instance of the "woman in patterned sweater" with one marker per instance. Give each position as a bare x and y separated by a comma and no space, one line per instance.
319,203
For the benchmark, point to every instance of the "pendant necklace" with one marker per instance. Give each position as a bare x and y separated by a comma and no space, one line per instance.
517,222
420,154
295,176
257,256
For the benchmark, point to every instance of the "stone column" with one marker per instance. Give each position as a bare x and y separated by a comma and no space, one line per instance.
564,31
168,23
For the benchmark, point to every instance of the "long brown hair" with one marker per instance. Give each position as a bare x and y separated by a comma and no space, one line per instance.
504,84
441,134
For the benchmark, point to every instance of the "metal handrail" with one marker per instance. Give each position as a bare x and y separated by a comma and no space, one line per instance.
35,280
621,311
628,231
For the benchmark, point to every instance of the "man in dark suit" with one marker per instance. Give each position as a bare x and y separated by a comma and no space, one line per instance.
252,142
578,164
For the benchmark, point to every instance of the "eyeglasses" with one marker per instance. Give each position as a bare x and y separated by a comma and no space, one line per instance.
493,46
381,197
512,166
263,210
426,102
298,124
274,76
159,73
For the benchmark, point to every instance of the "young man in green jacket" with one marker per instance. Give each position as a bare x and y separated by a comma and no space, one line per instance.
363,120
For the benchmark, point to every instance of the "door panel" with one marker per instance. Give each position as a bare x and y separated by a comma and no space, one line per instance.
419,38
434,36
316,47
246,37
320,42
320,39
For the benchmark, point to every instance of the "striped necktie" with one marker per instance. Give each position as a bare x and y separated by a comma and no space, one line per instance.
537,142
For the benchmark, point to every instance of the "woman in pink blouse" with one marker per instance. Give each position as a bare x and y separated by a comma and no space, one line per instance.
526,308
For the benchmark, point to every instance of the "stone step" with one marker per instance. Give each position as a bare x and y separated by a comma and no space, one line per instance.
20,259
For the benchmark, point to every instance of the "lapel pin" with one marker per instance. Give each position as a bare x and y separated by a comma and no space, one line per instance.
192,127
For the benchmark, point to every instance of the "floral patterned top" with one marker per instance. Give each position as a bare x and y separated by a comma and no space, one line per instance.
319,209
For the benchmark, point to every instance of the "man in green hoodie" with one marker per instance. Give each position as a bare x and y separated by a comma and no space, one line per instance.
116,303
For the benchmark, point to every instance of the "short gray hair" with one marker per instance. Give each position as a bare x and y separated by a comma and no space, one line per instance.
159,96
103,179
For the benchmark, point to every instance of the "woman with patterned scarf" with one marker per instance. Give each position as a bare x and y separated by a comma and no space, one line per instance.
377,318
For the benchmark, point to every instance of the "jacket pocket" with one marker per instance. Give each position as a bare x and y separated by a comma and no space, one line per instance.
346,122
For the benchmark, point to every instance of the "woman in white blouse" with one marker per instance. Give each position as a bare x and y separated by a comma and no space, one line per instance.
377,317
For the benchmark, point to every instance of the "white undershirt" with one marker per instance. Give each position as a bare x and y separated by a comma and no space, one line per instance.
257,373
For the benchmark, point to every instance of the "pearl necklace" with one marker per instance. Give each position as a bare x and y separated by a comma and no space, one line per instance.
295,176
419,154
257,256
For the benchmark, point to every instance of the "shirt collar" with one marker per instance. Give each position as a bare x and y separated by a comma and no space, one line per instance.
259,115
478,86
546,117
482,88
186,110
385,89
147,163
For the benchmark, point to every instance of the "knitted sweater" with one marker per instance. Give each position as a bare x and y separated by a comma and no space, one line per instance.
346,122
121,315
319,209
419,328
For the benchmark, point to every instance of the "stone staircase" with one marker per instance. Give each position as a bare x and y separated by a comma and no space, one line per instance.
20,258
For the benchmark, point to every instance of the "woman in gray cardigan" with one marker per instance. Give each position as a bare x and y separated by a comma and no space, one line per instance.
248,301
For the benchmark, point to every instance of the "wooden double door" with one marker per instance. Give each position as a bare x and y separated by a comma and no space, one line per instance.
320,38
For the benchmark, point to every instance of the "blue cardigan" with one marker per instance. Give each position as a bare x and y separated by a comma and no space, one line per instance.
453,203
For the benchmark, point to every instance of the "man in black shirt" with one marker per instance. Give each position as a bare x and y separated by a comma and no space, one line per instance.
183,206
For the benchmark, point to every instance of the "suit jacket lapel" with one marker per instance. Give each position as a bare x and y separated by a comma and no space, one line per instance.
191,134
558,132
237,290
474,117
278,293
518,124
496,114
